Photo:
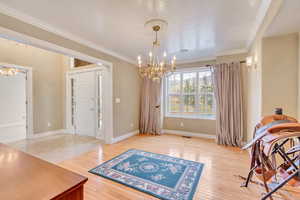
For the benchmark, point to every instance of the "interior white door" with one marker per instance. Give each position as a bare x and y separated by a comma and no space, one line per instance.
13,107
85,103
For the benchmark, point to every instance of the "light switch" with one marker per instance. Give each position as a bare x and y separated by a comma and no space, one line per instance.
181,124
118,100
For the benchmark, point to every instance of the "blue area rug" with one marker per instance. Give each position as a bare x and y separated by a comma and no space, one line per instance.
162,176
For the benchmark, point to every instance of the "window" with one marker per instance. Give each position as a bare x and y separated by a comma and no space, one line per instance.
189,94
76,63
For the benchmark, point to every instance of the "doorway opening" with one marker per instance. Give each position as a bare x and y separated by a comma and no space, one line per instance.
107,76
84,102
15,103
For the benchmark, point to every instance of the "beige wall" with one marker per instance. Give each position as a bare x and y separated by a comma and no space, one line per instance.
298,101
125,112
191,125
47,82
127,85
280,74
199,125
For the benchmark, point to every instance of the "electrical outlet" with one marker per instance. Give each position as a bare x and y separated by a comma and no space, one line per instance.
49,124
181,124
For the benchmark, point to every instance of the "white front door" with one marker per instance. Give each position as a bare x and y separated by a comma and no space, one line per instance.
85,103
13,107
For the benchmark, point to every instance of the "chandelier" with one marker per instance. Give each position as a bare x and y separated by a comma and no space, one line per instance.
9,71
158,63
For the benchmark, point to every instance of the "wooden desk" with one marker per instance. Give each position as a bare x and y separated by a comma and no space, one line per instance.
24,177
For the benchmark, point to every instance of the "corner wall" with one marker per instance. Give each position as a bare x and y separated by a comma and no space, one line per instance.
254,76
127,110
275,80
280,74
254,90
47,82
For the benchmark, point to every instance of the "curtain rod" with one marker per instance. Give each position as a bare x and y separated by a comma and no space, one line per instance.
241,62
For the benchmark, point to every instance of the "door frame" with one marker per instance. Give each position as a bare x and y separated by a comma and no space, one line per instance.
107,103
29,100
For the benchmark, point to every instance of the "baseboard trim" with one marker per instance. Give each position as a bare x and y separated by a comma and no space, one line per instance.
48,133
69,131
124,137
15,124
7,141
190,134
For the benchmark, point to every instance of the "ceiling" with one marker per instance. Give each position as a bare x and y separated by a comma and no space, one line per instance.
206,28
287,20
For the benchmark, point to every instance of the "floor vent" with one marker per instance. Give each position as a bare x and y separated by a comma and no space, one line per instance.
189,137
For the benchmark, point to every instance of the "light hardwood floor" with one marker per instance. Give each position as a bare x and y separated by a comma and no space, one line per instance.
57,148
218,180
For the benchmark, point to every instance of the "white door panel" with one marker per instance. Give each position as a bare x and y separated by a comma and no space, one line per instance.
13,107
85,105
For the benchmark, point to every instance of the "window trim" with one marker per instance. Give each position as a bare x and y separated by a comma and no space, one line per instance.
196,93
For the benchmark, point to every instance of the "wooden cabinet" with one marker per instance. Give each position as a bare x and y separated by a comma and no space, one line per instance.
25,177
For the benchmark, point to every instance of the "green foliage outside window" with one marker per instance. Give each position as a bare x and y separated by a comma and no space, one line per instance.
194,96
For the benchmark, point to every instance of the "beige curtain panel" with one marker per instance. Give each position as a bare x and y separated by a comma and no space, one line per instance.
150,116
229,100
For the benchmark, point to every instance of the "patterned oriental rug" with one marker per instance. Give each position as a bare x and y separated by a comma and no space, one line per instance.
162,176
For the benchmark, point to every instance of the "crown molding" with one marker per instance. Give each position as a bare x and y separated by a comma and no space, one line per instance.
191,61
214,58
32,41
232,52
47,27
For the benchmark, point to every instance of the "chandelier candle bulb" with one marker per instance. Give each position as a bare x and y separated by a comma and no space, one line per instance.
9,71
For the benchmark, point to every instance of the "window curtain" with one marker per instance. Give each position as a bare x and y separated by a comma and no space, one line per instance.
150,111
228,93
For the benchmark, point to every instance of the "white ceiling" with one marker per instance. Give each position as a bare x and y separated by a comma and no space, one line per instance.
287,20
205,27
